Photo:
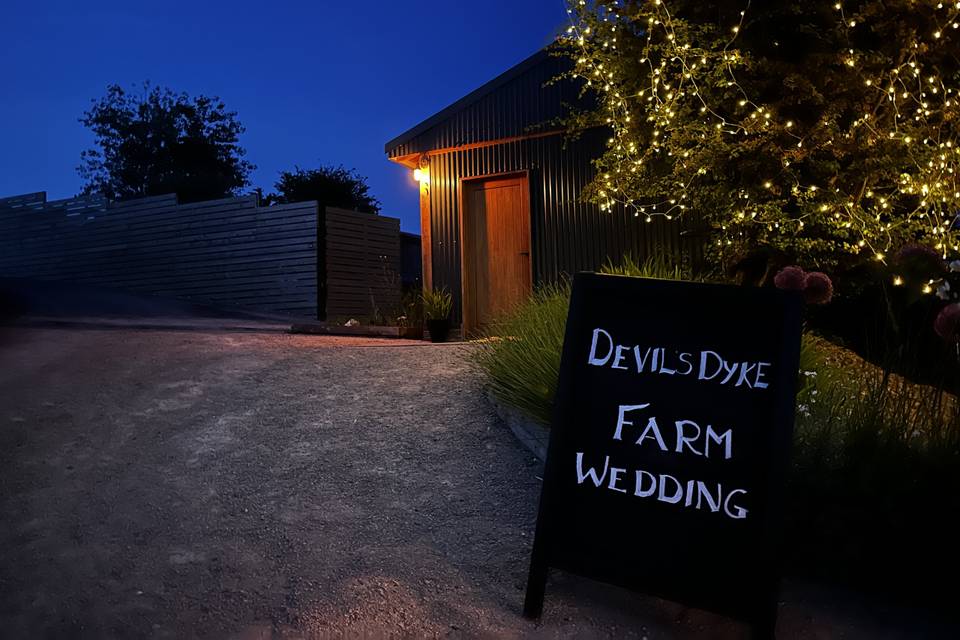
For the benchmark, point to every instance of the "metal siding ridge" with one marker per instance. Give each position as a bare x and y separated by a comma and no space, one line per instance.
467,101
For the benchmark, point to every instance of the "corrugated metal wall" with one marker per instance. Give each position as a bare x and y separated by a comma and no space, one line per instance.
568,235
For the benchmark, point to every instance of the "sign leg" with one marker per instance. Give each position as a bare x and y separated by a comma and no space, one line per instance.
765,626
536,585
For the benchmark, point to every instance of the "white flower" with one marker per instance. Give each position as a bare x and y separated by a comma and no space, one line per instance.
955,265
943,291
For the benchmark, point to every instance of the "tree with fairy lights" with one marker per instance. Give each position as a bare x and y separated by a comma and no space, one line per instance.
825,132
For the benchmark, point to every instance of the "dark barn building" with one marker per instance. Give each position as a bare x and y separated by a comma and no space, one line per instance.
500,186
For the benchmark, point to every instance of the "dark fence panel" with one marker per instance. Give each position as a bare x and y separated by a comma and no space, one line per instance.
227,252
362,264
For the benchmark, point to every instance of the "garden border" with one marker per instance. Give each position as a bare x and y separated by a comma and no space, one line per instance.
534,435
368,330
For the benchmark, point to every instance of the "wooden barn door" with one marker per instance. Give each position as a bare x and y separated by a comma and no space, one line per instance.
495,228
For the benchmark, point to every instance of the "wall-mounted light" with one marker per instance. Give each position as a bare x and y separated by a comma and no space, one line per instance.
422,175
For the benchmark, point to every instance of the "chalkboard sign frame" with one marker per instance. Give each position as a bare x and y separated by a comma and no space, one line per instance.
784,309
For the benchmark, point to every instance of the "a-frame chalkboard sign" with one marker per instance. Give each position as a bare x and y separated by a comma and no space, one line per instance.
672,429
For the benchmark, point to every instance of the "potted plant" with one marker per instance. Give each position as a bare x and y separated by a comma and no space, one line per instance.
437,304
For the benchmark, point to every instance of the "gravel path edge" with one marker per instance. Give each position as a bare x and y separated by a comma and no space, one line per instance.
532,434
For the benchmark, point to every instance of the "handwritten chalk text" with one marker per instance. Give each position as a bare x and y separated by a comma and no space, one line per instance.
706,365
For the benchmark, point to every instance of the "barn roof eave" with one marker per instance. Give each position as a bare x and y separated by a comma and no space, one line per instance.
467,100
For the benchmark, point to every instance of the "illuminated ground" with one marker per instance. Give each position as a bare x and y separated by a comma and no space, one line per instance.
234,484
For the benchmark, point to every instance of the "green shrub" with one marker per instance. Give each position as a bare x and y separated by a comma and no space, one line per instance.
437,304
653,267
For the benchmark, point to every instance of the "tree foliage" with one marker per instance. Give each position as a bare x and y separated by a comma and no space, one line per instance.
328,185
158,142
823,130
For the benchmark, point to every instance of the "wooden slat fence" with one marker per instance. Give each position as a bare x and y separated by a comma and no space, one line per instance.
227,252
362,265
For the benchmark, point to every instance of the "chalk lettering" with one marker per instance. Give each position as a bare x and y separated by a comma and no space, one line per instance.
663,365
652,426
758,383
665,488
619,357
683,439
640,492
688,434
678,490
685,359
641,361
704,355
591,472
702,492
744,370
594,360
738,513
621,421
726,439
708,365
614,478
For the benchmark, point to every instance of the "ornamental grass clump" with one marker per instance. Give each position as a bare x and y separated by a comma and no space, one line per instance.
437,304
521,357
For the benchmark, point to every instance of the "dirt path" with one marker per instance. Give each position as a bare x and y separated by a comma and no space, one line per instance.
174,484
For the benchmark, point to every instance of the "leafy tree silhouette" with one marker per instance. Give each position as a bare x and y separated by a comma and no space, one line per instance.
159,141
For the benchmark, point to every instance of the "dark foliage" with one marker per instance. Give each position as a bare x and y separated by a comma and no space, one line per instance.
823,133
330,186
159,142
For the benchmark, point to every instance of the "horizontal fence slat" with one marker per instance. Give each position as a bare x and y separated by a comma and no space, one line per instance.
362,263
227,251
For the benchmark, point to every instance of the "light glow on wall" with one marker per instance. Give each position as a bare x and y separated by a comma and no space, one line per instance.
422,176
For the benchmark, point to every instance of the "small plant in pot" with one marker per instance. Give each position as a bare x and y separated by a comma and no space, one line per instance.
437,304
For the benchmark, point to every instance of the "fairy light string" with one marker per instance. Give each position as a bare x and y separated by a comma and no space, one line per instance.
689,105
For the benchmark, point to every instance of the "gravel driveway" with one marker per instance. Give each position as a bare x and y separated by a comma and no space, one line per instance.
174,484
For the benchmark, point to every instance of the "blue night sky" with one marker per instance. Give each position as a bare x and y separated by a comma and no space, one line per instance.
313,82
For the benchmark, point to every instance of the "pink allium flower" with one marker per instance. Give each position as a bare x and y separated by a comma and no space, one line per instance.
922,251
818,289
791,278
923,257
947,324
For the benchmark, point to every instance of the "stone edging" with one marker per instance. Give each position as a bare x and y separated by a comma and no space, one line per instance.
371,331
532,434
